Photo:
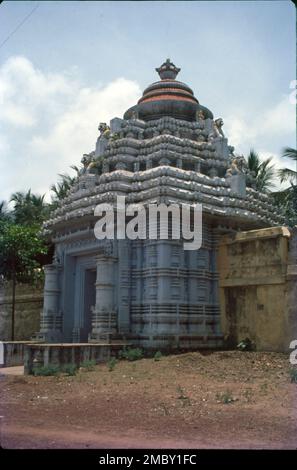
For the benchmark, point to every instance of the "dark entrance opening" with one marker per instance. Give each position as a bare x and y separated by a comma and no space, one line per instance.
89,301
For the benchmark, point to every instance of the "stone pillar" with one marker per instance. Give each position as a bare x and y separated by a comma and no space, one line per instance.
104,319
167,321
51,317
124,263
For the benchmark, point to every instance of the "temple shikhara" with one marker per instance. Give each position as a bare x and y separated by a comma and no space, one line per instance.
168,148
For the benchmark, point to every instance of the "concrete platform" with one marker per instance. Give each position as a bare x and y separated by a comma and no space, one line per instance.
43,354
16,370
13,353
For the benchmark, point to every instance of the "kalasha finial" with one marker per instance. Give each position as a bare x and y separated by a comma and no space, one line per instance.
168,70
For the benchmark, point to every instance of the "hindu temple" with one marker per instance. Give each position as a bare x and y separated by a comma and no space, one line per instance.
168,148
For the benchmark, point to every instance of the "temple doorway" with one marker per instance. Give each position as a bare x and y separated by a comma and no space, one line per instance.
89,301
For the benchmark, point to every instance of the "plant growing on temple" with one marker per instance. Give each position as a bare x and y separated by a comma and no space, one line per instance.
263,171
20,247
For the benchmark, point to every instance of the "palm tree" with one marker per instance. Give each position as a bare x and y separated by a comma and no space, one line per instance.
262,170
29,209
5,215
286,174
286,199
61,188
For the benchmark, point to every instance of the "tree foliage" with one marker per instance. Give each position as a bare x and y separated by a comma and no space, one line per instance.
287,174
20,247
29,209
262,170
286,200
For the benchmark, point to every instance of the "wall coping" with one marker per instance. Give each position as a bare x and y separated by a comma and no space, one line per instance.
258,234
7,299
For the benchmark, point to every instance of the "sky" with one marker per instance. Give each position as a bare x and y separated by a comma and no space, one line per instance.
66,66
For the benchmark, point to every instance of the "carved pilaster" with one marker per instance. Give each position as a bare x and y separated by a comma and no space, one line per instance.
104,318
51,317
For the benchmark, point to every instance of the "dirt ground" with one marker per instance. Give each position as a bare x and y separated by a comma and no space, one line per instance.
226,399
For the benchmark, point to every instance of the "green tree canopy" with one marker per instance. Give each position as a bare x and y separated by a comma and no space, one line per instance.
29,208
20,247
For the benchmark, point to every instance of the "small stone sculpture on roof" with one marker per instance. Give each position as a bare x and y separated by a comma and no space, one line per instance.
104,130
238,166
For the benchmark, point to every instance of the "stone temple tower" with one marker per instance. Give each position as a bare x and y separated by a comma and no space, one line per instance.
168,148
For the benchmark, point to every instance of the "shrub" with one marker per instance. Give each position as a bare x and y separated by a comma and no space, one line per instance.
185,400
293,375
131,354
70,369
157,356
50,369
88,364
245,345
225,397
112,363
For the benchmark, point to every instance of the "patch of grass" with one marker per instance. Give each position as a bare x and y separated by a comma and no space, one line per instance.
165,409
157,356
70,369
88,364
225,397
181,396
264,387
111,364
44,371
131,354
293,375
248,393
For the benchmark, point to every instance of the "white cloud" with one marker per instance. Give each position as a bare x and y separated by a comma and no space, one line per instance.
267,133
49,120
278,121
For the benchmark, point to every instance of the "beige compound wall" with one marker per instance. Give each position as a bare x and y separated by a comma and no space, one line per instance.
29,301
258,288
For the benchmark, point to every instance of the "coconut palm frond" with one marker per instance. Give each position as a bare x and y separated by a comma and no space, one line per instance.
289,152
286,174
